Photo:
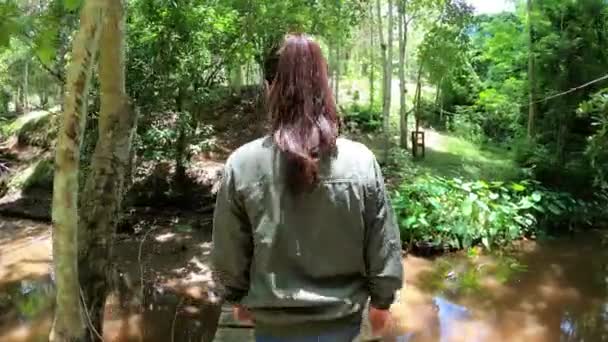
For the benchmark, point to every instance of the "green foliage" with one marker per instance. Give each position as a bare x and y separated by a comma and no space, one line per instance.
455,214
9,22
38,175
72,5
597,144
490,99
363,118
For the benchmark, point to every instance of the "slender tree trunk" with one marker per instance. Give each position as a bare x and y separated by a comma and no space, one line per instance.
332,68
238,82
18,101
182,139
386,107
236,78
26,86
104,188
437,93
382,47
403,31
44,98
531,74
69,324
337,71
439,99
418,97
372,57
385,79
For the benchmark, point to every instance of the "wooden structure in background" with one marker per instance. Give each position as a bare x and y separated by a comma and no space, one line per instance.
418,144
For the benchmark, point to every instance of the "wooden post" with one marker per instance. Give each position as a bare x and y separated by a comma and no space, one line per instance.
418,141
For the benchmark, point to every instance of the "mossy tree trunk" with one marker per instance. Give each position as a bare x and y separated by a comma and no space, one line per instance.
104,188
69,324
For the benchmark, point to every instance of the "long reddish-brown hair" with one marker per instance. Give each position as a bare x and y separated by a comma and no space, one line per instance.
303,110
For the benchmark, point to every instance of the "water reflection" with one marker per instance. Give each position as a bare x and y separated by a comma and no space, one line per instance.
550,291
26,309
547,292
27,298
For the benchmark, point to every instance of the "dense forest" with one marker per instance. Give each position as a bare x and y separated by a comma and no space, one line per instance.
117,116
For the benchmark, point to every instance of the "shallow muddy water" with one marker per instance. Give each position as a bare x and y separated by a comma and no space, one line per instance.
555,290
546,291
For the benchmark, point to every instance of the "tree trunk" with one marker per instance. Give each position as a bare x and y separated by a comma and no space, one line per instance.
236,78
26,86
385,87
372,57
44,98
388,79
332,67
18,101
403,31
337,71
439,100
531,75
382,47
180,144
69,324
104,188
418,96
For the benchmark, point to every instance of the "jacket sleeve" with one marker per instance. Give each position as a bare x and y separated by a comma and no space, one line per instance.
232,241
382,244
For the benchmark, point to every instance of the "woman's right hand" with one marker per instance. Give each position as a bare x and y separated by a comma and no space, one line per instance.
379,320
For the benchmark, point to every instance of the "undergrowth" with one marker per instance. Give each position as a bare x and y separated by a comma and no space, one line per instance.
439,212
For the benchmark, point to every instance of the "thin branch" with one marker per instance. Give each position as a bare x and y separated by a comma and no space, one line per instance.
175,319
86,312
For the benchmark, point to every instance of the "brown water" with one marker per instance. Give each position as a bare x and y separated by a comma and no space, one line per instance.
546,291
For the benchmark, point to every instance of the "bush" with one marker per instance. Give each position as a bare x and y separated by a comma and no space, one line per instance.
453,214
464,125
363,118
596,150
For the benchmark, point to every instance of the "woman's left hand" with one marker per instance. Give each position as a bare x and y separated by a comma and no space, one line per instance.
242,314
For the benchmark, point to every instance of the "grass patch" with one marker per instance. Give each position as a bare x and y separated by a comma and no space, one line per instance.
454,157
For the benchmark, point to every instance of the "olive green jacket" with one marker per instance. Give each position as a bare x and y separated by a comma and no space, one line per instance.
310,260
